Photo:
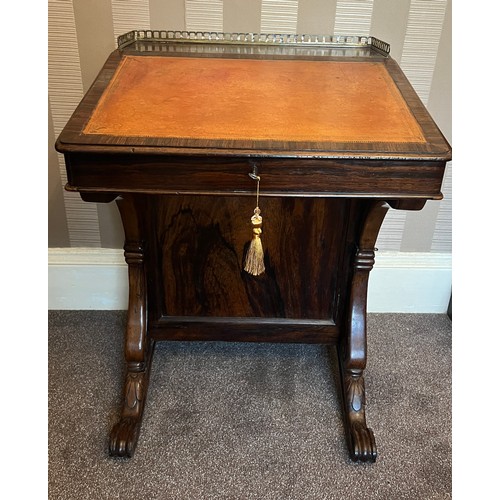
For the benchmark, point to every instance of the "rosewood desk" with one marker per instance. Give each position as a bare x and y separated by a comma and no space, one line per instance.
182,129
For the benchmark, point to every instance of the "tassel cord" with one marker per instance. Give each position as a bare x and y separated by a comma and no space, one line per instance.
258,189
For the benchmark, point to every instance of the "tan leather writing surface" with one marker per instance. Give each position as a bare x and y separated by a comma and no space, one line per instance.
249,99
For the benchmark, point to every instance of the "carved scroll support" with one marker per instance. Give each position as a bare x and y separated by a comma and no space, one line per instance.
352,349
138,346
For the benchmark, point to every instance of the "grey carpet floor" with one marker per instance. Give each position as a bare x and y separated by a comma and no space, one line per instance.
249,421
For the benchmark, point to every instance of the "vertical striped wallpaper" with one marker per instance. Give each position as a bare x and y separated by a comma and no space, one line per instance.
420,45
204,15
83,32
129,15
65,92
441,236
279,16
353,17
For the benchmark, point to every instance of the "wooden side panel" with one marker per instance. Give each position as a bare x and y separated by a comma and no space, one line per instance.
200,246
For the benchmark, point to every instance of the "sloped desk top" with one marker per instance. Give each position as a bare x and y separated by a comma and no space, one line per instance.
321,99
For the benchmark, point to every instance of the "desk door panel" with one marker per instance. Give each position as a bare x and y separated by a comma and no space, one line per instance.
200,244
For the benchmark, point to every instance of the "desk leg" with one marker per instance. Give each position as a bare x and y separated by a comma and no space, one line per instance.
138,346
352,348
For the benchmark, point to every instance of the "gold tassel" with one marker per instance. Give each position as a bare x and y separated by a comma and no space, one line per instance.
254,262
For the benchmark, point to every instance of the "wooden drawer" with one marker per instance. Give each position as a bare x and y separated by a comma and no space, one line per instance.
279,176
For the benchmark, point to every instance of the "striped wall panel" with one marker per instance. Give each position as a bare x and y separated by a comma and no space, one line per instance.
204,15
279,16
442,236
353,17
413,27
65,92
129,15
418,59
389,238
423,33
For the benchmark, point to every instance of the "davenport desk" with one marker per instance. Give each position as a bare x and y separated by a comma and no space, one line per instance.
190,132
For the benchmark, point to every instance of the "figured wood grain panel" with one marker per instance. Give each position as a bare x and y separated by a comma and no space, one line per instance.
201,243
254,100
280,177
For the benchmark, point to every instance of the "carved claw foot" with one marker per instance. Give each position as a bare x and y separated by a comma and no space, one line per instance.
124,437
125,434
361,443
360,439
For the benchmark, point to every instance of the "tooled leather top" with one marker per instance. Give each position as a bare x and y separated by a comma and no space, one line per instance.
253,99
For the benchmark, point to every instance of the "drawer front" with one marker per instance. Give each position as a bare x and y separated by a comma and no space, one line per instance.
283,177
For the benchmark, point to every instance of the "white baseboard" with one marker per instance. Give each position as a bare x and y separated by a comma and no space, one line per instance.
410,282
403,282
87,278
